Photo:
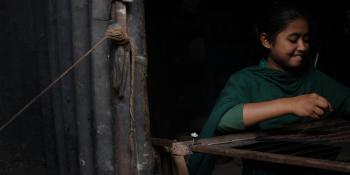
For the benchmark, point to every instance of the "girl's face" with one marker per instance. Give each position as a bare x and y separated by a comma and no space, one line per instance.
288,50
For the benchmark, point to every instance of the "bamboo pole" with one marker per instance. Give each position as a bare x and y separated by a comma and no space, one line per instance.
143,147
120,65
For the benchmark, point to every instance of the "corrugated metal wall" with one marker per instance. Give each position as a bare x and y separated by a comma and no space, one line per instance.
76,124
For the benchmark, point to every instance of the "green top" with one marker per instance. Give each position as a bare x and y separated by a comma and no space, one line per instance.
257,84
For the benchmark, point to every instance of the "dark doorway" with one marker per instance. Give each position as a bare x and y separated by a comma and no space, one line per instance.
194,46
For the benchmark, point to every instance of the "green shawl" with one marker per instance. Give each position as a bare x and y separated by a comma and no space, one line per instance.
256,84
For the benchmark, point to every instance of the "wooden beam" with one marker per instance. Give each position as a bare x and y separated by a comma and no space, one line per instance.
228,151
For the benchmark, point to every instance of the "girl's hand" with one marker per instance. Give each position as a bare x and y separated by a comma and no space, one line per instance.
310,105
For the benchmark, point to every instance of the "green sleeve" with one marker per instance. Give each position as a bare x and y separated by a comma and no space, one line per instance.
232,120
336,93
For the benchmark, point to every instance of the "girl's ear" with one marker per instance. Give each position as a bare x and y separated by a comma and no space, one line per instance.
264,41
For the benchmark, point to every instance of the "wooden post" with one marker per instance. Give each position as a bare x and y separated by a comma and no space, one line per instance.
143,147
120,67
133,150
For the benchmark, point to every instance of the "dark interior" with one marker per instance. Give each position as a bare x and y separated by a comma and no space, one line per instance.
193,46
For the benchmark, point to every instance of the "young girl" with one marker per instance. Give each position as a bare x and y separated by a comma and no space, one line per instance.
283,89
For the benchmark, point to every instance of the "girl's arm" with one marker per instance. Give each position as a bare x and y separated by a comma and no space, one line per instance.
308,105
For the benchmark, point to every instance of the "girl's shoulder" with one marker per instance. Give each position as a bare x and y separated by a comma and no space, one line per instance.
247,71
315,74
254,72
247,74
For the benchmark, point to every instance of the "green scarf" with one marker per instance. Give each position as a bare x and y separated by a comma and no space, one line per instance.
257,84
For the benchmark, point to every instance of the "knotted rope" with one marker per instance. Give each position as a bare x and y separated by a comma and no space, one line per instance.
113,32
117,34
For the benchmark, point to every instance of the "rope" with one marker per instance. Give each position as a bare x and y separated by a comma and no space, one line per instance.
117,34
132,108
113,32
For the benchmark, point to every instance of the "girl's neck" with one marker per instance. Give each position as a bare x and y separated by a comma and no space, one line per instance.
273,65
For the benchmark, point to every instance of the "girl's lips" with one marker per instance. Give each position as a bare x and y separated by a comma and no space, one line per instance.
297,56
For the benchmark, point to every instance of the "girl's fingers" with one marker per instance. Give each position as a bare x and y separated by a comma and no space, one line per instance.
319,111
324,103
315,116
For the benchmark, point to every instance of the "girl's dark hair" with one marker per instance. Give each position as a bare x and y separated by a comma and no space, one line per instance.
275,19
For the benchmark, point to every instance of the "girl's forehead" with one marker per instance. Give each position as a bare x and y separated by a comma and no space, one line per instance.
296,26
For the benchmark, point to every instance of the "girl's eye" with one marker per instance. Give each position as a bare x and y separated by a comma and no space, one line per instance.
293,40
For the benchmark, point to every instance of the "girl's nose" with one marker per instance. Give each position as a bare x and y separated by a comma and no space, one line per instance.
302,45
